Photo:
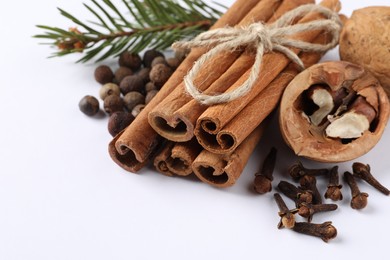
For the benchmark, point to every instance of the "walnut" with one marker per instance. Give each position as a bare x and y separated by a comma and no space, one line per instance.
365,40
333,112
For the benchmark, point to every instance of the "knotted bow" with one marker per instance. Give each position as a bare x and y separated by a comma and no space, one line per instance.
263,38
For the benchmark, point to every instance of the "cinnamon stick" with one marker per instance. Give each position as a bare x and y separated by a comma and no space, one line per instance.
177,158
131,149
190,112
160,161
223,170
163,118
216,117
237,129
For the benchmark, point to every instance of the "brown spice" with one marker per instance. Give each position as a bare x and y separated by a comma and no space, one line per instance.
333,191
149,56
132,99
159,74
113,104
121,73
263,179
119,121
132,83
363,171
359,199
89,105
326,231
287,218
296,194
307,210
130,60
103,74
132,148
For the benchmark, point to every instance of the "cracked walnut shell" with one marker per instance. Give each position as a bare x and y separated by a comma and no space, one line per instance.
365,40
333,112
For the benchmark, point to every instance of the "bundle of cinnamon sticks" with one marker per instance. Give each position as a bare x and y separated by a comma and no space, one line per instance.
215,142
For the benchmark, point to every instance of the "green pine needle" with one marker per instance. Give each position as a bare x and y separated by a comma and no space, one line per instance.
133,26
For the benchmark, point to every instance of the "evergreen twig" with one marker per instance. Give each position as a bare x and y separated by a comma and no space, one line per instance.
135,25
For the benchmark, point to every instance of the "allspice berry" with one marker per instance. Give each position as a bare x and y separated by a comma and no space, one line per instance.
130,60
89,105
149,56
119,121
150,95
132,99
103,74
137,109
109,89
144,74
181,55
113,104
160,74
150,86
132,83
121,73
159,60
173,62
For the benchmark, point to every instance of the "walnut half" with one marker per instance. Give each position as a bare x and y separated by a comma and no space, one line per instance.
333,112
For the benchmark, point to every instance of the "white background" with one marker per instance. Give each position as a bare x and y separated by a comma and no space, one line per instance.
61,196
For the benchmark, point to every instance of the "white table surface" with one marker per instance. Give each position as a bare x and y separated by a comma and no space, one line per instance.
62,197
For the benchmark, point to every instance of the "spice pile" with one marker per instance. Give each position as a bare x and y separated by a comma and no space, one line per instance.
307,197
130,88
215,142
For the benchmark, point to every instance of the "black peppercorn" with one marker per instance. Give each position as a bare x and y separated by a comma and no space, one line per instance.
89,105
121,73
159,74
103,74
119,121
149,56
150,95
113,104
132,83
109,89
132,99
130,60
144,74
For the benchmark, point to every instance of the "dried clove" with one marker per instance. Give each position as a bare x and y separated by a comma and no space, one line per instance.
297,170
333,191
309,183
325,231
263,178
363,172
359,199
296,194
287,218
307,210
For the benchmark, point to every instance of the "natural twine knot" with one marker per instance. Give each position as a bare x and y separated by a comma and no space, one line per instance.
263,38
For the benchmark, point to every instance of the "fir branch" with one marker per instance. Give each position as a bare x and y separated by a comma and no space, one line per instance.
134,26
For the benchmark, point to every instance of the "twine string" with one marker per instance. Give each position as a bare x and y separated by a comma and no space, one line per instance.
263,38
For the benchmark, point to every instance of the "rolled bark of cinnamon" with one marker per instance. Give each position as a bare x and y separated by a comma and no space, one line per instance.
171,125
237,129
212,121
177,158
223,170
190,112
131,149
